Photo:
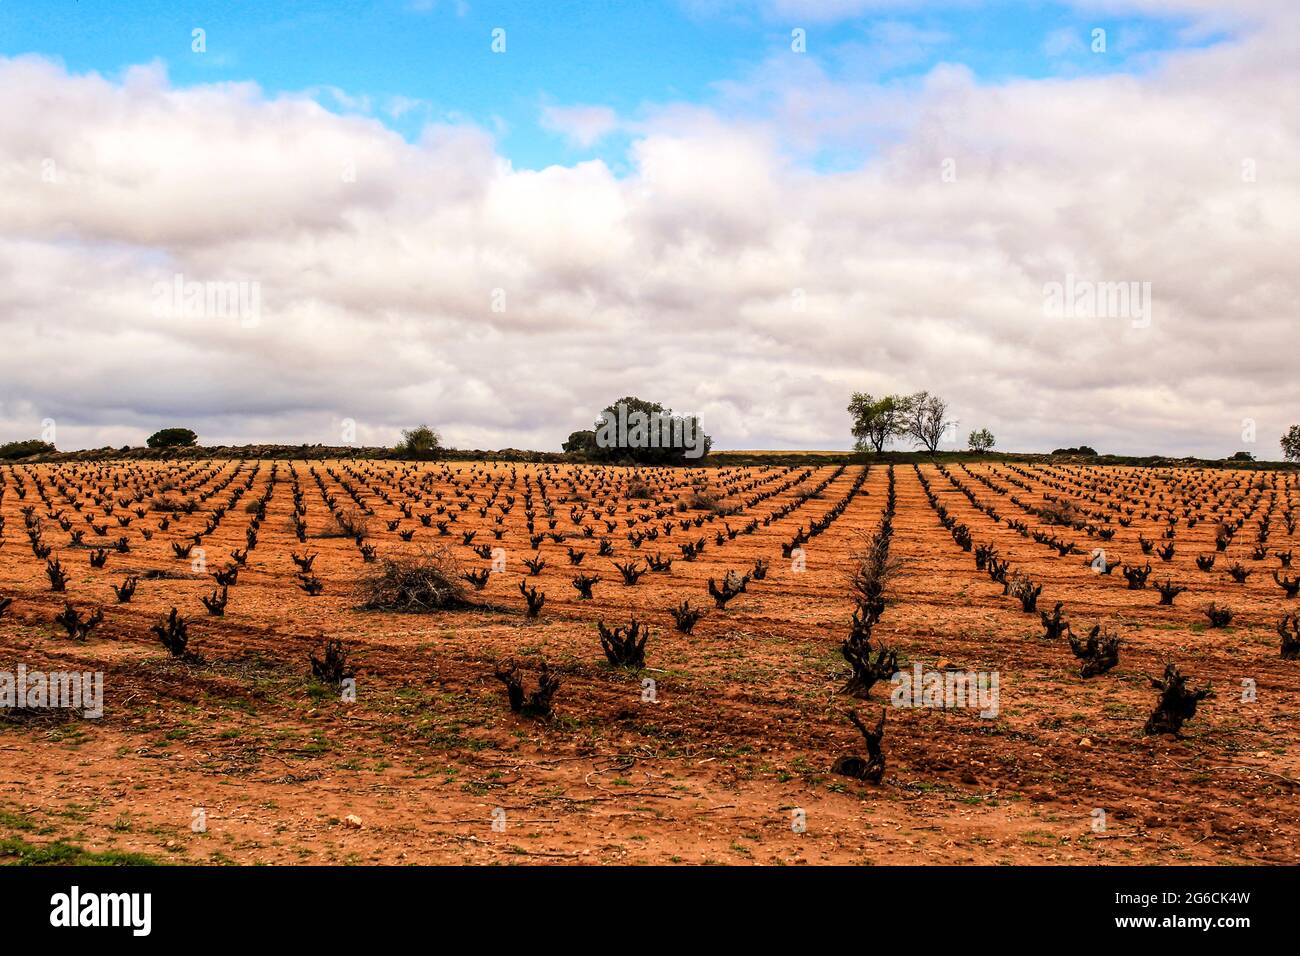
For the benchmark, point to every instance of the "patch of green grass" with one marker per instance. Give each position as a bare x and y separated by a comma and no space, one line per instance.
74,811
16,821
16,852
318,744
1040,838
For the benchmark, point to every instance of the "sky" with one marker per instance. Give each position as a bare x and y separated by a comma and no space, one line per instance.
326,222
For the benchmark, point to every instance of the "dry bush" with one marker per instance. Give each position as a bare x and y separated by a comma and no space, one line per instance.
872,769
733,584
1061,511
870,569
1022,588
1099,652
624,646
333,667
701,499
638,488
347,524
1288,628
536,704
685,616
418,584
174,634
353,523
1176,705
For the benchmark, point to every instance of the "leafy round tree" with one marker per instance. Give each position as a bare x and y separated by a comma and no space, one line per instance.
981,441
876,421
647,433
580,441
420,440
173,438
1291,444
24,449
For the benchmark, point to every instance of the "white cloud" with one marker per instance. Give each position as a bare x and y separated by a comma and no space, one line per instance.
812,11
582,125
459,7
400,106
1064,42
1208,15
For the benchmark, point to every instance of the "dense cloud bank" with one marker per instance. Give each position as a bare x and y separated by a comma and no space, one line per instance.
352,275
